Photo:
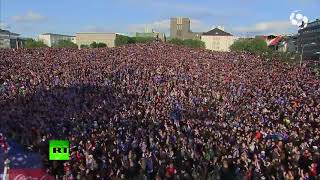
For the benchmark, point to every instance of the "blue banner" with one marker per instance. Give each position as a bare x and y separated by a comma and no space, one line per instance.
20,157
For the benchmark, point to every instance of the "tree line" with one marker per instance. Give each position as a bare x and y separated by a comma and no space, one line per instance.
122,40
260,48
188,42
119,41
31,43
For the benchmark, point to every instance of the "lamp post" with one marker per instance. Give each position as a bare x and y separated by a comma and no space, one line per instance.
313,43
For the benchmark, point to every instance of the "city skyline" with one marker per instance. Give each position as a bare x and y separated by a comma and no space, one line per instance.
243,17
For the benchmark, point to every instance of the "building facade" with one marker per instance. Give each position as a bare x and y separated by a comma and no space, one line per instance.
180,28
288,44
86,38
309,40
218,40
292,44
9,39
51,39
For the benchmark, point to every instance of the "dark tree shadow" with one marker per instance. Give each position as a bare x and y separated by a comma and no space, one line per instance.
60,113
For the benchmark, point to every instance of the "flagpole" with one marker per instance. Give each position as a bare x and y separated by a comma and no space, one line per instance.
5,170
5,173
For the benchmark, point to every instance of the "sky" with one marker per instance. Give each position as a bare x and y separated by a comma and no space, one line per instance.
240,17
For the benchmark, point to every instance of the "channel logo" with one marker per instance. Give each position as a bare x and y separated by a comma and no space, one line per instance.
59,150
298,19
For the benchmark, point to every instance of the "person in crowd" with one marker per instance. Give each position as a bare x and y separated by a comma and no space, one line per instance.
160,111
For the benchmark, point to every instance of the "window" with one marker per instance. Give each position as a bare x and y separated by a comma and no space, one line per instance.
179,33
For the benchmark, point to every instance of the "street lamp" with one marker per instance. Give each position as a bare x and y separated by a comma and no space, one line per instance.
313,43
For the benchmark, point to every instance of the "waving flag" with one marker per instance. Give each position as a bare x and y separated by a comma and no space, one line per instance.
4,147
24,174
23,164
21,158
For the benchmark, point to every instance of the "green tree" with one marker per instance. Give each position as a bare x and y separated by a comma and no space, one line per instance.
97,45
176,41
101,45
31,43
93,45
84,46
259,47
143,39
65,44
132,40
121,40
194,43
256,46
188,42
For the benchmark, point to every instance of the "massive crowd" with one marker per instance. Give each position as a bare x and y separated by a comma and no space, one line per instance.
159,111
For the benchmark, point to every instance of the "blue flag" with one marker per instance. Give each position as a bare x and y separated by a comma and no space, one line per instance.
20,157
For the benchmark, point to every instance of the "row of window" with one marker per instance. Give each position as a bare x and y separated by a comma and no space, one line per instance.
56,40
310,39
179,27
179,20
311,31
317,23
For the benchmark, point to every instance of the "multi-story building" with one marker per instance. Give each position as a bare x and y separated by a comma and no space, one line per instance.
180,28
217,40
51,39
9,39
309,40
86,38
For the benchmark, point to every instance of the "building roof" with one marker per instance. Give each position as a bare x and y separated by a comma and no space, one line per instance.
8,32
180,17
56,34
275,41
266,37
95,33
4,31
216,32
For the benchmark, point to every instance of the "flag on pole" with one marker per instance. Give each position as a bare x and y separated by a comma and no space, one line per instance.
22,163
4,147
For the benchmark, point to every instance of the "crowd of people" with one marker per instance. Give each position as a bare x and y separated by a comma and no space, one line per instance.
160,111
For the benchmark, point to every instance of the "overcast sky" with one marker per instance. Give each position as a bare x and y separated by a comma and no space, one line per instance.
240,17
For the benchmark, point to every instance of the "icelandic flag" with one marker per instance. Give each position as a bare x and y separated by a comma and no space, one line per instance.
32,174
22,162
19,157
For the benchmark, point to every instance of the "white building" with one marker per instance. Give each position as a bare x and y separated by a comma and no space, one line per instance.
9,39
218,40
86,38
51,39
